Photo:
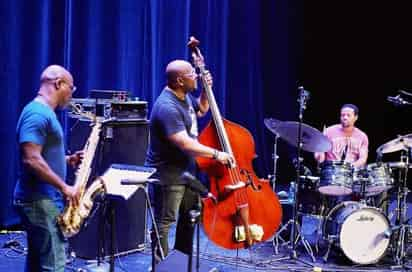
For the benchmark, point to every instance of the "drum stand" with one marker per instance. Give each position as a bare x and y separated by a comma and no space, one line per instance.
401,225
295,233
294,224
272,177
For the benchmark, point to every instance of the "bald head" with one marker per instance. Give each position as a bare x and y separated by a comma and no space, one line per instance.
55,71
56,86
177,68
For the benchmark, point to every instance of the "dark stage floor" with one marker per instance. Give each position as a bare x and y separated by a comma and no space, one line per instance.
261,257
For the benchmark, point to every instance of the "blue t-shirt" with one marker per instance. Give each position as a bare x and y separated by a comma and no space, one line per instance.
169,116
38,124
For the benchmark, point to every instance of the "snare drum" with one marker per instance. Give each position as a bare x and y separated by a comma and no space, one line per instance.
360,231
380,178
336,178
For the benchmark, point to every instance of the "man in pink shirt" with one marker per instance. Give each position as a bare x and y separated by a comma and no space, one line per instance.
349,144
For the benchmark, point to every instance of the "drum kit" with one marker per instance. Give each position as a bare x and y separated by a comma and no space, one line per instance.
337,209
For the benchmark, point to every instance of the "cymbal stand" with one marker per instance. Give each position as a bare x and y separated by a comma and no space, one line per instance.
295,234
401,223
275,157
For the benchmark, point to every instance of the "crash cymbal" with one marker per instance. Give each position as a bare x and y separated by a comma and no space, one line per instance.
272,124
400,143
312,139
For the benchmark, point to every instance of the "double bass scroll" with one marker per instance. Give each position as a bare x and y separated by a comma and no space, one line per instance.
247,211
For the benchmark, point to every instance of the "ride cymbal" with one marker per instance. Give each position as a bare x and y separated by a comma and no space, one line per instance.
312,139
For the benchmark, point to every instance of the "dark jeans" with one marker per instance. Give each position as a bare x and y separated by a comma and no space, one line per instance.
46,245
172,202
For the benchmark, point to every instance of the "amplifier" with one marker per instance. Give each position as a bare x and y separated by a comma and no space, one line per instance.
115,109
129,110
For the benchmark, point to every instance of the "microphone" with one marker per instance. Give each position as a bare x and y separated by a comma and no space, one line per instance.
195,185
138,181
304,93
397,100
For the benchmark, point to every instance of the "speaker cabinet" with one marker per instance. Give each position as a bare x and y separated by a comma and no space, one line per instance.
122,142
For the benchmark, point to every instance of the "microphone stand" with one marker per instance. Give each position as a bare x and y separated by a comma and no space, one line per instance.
303,97
194,221
295,234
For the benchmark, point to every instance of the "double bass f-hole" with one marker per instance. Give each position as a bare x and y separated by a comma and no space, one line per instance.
247,210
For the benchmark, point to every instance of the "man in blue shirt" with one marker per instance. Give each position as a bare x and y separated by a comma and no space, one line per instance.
173,146
41,187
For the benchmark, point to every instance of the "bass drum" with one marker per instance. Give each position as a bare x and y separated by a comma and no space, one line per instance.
360,231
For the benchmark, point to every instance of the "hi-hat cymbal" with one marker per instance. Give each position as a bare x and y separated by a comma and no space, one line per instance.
400,143
272,124
312,139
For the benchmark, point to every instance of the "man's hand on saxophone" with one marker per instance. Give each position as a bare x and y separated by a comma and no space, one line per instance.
72,194
75,159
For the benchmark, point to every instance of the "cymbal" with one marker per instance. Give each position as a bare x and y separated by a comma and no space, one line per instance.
272,124
312,139
400,143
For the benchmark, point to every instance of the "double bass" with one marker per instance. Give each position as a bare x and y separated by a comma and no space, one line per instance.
246,210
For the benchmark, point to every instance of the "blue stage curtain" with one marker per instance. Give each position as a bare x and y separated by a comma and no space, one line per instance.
126,44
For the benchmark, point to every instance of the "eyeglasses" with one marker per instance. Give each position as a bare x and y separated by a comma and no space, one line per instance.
193,74
72,87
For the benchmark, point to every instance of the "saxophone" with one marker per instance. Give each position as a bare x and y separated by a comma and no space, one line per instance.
72,217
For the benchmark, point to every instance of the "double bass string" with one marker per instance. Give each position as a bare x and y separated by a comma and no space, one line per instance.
234,173
241,198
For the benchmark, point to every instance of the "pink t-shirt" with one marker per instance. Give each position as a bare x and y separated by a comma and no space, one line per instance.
357,143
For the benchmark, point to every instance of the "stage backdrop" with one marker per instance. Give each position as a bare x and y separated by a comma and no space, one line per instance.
252,49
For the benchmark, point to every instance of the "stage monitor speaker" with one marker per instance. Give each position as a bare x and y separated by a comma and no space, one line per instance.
130,228
122,142
177,261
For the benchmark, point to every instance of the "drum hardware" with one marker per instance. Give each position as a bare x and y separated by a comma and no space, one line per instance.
398,165
272,124
399,100
277,238
402,227
362,188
